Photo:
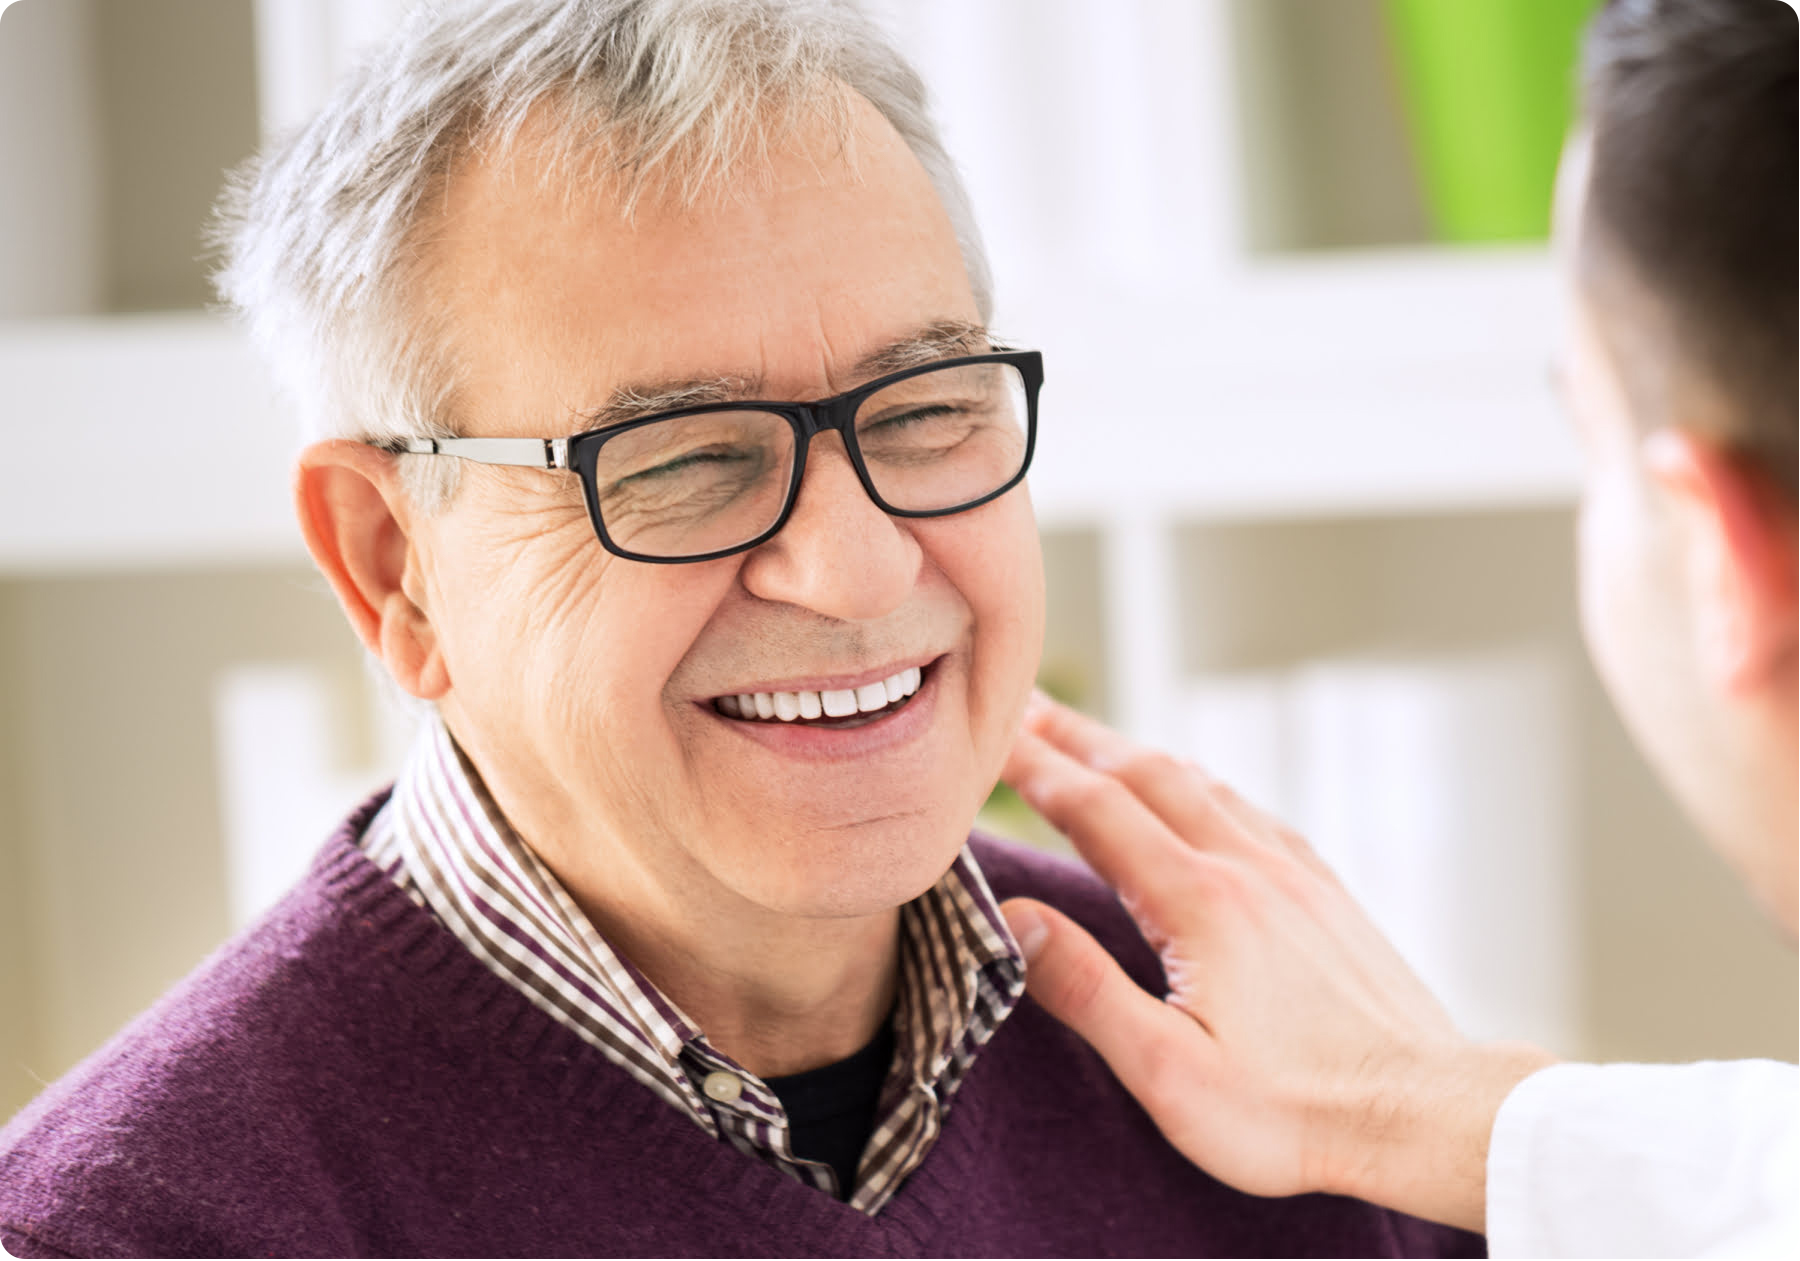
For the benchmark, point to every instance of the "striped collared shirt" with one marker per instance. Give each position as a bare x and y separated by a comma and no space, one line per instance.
441,838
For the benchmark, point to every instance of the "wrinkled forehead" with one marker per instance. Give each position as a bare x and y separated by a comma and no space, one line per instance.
831,250
574,149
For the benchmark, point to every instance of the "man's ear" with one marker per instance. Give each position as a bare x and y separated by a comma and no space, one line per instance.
358,526
1738,539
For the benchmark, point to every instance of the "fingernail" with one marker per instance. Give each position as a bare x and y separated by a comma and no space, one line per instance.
1029,928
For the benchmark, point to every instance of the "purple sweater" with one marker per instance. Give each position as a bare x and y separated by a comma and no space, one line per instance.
345,1079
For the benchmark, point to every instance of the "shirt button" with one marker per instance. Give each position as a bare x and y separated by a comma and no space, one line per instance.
722,1087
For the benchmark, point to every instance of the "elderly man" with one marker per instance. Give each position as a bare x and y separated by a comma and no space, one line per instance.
663,450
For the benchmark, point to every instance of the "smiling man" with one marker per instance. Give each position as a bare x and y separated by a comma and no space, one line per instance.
661,447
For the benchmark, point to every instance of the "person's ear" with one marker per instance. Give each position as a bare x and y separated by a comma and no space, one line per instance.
1738,544
357,521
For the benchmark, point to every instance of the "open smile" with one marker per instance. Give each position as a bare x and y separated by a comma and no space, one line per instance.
838,708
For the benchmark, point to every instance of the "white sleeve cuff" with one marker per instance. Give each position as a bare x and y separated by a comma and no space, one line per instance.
1647,1160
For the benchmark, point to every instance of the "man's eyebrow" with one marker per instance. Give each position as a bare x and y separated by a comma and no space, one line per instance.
632,402
943,340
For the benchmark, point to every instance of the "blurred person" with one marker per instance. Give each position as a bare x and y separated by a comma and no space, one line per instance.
1295,1050
671,937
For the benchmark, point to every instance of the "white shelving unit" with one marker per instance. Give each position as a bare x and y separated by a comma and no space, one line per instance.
140,442
1412,381
1408,382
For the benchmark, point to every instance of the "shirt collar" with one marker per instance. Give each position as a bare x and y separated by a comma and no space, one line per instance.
442,836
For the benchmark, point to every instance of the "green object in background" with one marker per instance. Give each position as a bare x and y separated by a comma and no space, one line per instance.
1489,87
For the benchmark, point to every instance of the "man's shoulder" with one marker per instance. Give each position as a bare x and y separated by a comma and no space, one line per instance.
1054,1133
1014,870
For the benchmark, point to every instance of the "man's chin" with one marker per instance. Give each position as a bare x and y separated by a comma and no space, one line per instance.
859,870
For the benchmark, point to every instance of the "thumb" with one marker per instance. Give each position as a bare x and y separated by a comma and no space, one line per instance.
1075,979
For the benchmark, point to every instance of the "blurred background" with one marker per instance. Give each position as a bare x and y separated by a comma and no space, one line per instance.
1306,499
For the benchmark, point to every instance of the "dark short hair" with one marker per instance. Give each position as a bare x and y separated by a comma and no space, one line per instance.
1691,186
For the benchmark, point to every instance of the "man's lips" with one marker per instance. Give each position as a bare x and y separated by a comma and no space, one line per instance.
844,706
898,729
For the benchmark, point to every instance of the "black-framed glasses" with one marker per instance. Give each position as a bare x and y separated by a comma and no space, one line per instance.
697,483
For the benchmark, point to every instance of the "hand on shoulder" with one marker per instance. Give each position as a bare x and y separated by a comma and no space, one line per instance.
1295,1050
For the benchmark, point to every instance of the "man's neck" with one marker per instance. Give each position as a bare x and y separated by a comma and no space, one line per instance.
778,999
778,993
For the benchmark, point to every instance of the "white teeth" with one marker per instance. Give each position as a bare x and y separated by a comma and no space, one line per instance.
836,703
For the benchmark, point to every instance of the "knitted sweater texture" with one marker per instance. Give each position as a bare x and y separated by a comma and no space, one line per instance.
345,1079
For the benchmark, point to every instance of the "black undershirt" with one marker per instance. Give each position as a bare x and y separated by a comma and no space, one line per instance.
831,1110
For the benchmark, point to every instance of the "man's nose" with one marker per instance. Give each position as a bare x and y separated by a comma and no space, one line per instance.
838,554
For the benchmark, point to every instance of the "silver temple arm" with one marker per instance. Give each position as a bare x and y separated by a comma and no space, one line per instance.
527,452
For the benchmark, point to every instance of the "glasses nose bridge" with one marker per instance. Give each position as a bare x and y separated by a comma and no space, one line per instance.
824,416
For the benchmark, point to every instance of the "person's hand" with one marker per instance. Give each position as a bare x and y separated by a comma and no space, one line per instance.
1295,1051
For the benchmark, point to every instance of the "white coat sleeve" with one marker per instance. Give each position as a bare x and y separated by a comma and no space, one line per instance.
1648,1160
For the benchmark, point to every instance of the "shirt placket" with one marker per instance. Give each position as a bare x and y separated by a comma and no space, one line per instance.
748,1114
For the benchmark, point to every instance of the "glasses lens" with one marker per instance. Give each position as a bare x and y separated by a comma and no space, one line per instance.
945,438
695,484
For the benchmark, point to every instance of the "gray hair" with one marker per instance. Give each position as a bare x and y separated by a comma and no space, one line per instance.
323,235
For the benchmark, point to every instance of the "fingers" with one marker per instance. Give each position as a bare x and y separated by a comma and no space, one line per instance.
1083,738
1073,977
1121,837
1196,809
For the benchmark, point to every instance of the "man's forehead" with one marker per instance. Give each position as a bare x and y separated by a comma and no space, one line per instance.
829,274
631,399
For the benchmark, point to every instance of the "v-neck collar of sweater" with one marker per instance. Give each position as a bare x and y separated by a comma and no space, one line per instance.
443,839
582,1077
